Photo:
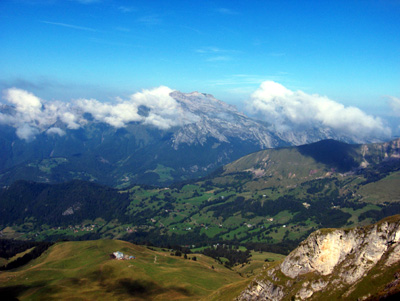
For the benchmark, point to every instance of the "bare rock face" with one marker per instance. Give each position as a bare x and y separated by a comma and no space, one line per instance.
332,260
323,252
218,120
264,290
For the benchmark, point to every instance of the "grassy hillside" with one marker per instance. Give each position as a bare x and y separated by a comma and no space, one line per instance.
269,200
84,270
385,190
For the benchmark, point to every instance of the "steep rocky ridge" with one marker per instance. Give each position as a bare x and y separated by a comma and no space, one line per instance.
335,264
221,121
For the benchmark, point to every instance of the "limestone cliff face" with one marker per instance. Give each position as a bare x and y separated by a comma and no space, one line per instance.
334,262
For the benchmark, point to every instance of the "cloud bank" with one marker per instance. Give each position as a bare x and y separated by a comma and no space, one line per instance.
32,115
286,109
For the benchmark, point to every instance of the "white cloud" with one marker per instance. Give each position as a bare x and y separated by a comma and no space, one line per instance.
71,120
394,103
6,119
273,102
288,109
116,115
164,111
25,102
55,131
32,116
27,132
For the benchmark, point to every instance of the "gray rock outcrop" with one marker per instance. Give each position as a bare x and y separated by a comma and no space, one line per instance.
330,260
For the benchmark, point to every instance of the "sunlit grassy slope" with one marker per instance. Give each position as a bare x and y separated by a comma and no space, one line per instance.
386,190
84,271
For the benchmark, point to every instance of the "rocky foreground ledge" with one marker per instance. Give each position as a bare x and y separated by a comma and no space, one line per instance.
362,263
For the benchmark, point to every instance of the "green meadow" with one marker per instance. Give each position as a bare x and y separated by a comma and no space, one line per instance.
84,271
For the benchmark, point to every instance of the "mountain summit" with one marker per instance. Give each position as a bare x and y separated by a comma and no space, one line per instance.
218,120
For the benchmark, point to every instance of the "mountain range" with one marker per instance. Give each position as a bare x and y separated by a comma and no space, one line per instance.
266,201
189,137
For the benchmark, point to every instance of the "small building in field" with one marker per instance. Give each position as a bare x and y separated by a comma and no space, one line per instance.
118,255
121,256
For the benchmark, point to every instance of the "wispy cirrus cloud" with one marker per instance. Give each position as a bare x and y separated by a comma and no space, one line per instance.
192,29
226,11
219,58
216,54
87,1
211,49
150,20
111,43
126,9
70,26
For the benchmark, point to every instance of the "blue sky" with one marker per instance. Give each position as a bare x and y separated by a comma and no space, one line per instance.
346,50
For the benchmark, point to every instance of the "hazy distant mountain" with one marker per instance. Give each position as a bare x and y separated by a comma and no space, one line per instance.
185,136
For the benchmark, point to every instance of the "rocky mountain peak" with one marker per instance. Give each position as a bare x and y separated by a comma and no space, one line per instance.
201,103
218,120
